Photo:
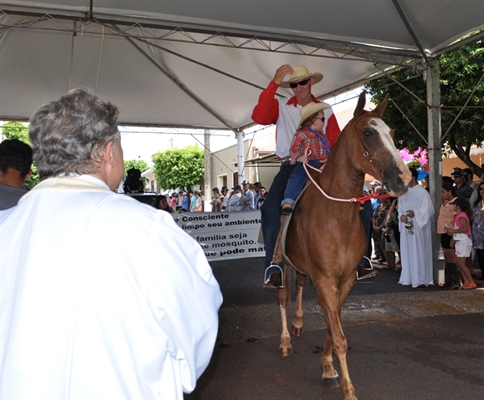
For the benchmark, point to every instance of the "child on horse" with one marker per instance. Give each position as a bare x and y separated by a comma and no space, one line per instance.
310,145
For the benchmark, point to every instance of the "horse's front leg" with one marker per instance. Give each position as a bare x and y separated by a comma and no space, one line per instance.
340,344
340,348
331,301
297,323
285,347
330,375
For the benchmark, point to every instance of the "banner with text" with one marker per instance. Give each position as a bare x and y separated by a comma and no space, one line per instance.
224,235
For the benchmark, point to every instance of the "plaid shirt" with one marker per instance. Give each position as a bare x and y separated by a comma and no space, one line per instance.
305,138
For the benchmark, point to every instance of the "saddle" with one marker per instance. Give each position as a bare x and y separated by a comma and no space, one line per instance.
280,247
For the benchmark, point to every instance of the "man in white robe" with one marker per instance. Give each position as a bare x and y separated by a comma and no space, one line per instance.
416,207
102,297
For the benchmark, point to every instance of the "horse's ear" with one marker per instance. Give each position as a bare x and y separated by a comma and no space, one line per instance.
361,104
380,108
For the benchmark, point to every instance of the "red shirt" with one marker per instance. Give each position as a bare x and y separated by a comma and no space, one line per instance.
285,113
306,138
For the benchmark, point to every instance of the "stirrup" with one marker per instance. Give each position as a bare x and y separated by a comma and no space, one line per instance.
370,272
273,268
369,261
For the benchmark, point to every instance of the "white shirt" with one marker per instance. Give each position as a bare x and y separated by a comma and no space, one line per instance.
102,297
233,204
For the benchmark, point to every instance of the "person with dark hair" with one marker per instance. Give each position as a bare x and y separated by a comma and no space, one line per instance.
469,175
475,192
233,203
87,312
224,198
460,178
257,186
185,201
446,218
415,209
160,202
192,201
15,169
198,201
216,201
172,200
247,197
447,179
478,226
461,235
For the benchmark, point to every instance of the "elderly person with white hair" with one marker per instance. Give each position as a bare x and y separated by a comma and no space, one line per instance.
87,313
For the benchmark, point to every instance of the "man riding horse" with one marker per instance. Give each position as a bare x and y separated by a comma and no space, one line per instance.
285,113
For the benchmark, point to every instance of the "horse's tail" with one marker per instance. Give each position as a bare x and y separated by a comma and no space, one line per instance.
284,294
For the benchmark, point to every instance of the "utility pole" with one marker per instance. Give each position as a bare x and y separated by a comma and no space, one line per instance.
208,171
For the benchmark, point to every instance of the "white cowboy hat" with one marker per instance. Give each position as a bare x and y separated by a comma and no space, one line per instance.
310,109
300,72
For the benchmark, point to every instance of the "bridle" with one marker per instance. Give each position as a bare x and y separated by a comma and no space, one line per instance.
361,199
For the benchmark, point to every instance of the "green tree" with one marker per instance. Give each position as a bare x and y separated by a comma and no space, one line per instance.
179,168
17,130
460,71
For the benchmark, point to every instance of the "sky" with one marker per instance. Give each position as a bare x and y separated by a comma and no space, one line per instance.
140,143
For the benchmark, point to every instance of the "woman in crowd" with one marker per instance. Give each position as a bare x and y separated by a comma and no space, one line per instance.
161,203
478,226
446,218
198,202
217,200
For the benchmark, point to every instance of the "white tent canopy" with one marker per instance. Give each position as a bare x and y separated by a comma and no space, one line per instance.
203,63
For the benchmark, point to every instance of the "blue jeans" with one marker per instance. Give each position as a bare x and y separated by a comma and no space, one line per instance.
297,181
271,211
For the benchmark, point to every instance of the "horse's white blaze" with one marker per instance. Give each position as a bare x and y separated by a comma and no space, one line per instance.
387,140
384,130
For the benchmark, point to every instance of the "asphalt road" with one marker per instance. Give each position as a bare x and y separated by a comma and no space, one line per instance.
405,343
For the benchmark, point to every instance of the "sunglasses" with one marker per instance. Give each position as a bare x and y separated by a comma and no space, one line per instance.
293,85
481,189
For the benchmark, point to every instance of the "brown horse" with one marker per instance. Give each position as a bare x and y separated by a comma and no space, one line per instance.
326,239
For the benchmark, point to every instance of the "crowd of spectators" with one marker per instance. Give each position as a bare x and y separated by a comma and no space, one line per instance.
247,196
401,230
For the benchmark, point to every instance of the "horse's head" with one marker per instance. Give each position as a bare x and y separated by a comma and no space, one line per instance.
379,156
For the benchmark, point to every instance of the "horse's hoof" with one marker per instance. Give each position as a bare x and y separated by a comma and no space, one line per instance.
296,331
285,351
331,382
